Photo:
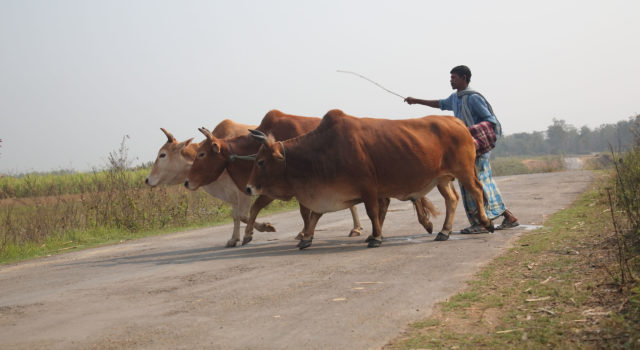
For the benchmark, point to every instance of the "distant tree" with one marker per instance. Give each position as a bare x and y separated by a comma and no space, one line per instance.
635,130
563,138
584,140
558,136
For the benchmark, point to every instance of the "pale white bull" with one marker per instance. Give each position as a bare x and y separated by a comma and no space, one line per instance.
175,159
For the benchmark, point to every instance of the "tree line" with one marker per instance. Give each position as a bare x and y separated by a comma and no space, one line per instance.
563,138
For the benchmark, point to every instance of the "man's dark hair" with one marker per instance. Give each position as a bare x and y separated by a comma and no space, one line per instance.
462,71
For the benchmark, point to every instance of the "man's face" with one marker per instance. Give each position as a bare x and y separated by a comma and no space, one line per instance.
457,82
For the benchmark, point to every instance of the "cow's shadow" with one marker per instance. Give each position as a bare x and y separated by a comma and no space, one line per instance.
276,248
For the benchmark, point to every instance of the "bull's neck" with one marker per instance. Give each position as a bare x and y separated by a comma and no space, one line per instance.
240,169
295,158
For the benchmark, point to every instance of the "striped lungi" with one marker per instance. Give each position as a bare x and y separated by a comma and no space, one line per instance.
493,206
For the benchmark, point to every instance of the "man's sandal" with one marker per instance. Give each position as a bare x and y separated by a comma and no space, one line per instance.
509,220
506,224
474,229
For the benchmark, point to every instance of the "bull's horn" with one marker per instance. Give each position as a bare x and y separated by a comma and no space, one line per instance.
206,133
258,136
169,136
256,132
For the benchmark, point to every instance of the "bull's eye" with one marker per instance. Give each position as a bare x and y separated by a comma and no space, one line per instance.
162,155
261,163
201,155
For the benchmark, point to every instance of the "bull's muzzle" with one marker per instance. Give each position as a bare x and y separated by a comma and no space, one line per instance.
253,190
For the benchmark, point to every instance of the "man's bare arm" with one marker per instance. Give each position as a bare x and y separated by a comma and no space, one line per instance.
430,103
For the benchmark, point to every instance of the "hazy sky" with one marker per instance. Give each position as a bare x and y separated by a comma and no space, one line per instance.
76,76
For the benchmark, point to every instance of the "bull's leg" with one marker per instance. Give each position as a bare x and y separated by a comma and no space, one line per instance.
383,206
260,226
451,202
357,228
244,205
235,235
471,183
310,228
372,205
261,202
305,214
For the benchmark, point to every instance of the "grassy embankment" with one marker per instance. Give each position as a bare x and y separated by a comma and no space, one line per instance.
47,214
573,284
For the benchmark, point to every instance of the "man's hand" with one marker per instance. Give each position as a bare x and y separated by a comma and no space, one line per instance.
410,100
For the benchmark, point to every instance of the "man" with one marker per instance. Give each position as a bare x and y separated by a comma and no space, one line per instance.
473,109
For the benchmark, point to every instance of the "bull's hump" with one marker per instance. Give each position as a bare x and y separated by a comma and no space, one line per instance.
270,119
332,117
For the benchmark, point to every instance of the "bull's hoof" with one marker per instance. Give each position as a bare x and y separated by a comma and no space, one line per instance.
265,227
441,237
429,227
299,236
232,243
246,239
355,232
490,228
374,243
304,243
371,238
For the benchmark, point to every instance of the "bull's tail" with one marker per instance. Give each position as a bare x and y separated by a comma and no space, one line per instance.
425,209
429,208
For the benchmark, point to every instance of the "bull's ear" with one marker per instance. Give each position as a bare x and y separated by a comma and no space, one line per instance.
277,155
170,137
186,143
215,146
258,136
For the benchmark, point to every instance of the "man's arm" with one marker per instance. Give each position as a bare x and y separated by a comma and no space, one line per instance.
430,103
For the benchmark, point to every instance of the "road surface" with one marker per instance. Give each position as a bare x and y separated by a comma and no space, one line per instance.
186,291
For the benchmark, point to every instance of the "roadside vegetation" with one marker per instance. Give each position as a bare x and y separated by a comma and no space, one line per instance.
43,214
573,284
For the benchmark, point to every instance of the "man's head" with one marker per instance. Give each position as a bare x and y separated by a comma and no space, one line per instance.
460,77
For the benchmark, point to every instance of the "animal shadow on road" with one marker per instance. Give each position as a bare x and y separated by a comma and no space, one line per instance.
269,249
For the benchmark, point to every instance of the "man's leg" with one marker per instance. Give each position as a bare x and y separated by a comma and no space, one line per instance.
494,205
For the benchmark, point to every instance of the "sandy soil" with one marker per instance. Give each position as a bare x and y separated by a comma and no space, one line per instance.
186,291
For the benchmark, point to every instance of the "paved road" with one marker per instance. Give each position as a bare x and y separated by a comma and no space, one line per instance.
185,291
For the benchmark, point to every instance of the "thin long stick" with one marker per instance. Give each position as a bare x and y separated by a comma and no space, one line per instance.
369,80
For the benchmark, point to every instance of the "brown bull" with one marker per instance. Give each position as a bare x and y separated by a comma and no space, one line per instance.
217,155
349,160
